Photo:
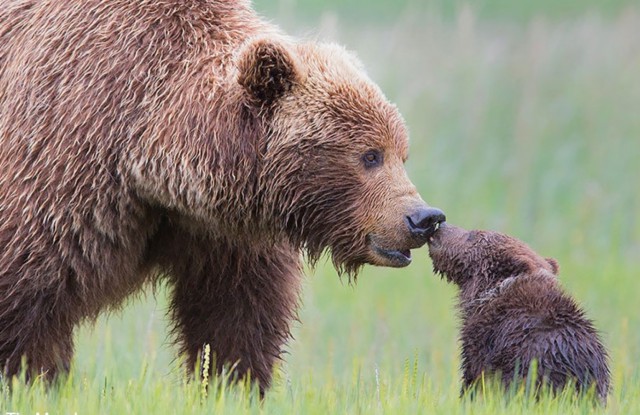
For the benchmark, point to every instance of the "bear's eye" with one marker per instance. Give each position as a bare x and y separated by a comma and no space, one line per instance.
372,158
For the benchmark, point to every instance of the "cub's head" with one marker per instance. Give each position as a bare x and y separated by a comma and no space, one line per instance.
463,256
332,155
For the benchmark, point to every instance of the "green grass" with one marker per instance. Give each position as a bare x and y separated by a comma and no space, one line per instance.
532,128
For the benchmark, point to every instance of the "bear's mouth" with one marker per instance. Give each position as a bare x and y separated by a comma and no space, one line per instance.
392,257
396,257
434,237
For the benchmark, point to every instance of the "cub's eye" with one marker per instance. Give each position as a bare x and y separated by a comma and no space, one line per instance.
372,158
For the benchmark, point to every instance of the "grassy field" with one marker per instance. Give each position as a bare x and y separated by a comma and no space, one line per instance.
526,121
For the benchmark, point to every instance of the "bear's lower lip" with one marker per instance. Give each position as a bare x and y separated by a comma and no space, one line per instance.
396,257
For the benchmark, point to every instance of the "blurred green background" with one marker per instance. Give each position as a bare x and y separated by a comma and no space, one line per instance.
383,11
524,118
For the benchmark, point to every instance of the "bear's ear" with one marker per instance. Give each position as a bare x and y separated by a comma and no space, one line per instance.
267,70
554,265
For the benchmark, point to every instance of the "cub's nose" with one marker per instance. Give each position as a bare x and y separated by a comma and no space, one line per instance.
425,221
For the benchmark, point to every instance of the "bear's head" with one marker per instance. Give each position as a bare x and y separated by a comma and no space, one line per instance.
483,257
332,155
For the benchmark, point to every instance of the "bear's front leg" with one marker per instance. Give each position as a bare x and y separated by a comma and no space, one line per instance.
36,326
240,300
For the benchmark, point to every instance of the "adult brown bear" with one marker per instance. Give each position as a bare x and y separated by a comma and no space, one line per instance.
187,139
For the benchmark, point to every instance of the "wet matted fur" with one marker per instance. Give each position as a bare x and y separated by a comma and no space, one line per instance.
514,312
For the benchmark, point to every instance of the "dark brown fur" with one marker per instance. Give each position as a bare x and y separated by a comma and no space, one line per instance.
187,139
514,311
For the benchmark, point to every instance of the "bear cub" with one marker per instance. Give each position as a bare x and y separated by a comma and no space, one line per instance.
514,312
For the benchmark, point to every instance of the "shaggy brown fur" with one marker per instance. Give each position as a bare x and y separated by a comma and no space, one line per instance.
188,139
514,311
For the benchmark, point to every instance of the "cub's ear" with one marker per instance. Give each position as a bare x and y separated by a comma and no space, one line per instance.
554,265
267,70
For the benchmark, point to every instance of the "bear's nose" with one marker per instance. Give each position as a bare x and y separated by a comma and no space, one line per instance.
425,221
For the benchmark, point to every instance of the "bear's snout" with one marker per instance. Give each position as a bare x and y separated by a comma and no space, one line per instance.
448,235
424,222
